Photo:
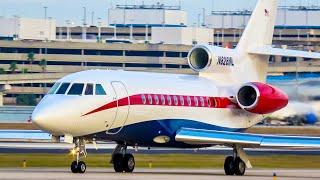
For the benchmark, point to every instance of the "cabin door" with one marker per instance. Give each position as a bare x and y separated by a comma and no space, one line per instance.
123,107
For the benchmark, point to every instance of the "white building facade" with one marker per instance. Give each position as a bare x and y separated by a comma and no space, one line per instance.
150,15
297,16
182,35
25,28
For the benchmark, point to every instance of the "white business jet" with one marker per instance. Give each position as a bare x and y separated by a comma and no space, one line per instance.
159,110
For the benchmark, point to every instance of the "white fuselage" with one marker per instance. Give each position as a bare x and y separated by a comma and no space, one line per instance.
145,98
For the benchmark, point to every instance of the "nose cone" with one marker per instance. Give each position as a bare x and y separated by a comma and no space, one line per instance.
54,114
41,117
48,115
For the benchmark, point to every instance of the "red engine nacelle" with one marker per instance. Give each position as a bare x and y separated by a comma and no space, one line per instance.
261,98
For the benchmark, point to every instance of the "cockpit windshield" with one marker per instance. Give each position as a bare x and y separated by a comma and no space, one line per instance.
54,88
63,88
100,90
89,89
76,89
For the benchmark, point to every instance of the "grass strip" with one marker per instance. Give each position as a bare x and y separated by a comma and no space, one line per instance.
160,160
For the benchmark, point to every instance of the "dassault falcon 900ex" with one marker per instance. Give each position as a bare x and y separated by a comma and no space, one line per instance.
183,111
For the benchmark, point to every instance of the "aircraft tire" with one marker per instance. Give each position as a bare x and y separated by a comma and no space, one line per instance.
82,167
118,163
229,166
128,163
239,167
74,167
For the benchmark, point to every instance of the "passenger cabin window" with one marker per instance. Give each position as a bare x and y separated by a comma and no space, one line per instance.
54,88
215,102
143,98
163,100
181,100
76,89
175,100
100,90
63,88
208,101
150,99
202,101
169,100
89,89
156,99
195,101
189,101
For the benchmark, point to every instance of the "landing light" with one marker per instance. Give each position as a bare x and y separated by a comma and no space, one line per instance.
161,139
73,152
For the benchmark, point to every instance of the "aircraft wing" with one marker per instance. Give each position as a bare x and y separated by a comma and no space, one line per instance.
201,136
269,50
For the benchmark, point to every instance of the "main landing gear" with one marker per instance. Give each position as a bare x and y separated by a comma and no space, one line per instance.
236,164
78,166
121,160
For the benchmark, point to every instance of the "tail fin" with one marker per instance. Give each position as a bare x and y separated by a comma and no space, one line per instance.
258,33
260,28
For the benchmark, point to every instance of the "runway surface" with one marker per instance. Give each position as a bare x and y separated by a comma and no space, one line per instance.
24,147
154,174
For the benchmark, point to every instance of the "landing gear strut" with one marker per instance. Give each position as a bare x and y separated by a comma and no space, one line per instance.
122,161
78,166
234,165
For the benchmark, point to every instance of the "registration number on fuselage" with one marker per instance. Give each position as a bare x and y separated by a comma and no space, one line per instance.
225,61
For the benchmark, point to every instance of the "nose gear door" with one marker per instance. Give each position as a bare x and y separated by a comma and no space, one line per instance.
123,107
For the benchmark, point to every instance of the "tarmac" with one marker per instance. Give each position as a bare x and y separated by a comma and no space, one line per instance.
154,174
105,148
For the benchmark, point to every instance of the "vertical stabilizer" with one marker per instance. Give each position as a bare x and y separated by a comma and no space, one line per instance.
260,28
258,33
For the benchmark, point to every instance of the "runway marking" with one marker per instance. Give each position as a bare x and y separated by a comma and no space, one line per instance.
107,173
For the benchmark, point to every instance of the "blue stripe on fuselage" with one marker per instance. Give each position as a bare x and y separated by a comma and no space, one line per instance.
142,134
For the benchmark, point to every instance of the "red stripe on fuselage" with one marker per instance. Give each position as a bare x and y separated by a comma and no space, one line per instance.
169,100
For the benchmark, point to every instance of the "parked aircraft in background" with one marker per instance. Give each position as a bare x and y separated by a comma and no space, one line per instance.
296,113
184,111
301,89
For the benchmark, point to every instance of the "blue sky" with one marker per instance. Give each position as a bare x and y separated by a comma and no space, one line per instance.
63,10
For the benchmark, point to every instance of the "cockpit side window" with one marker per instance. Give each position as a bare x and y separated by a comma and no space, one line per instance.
54,88
76,89
100,90
89,89
63,88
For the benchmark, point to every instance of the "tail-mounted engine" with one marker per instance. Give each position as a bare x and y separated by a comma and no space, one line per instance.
261,98
210,58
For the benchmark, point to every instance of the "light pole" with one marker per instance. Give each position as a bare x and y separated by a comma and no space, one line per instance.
50,26
114,30
131,30
16,26
45,12
84,30
68,24
218,38
99,29
147,32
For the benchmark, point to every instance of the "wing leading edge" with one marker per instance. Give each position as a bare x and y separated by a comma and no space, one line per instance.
201,136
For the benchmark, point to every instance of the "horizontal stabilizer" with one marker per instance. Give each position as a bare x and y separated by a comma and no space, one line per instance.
196,136
268,50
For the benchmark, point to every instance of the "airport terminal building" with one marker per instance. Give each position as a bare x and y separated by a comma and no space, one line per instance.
133,43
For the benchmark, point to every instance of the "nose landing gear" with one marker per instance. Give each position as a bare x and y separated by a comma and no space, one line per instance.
121,160
78,166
